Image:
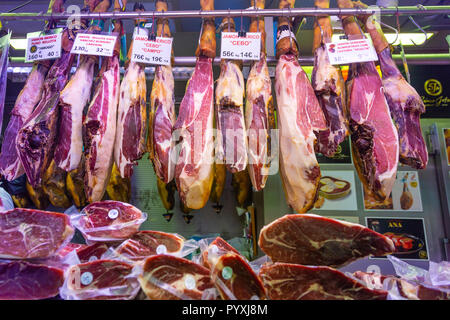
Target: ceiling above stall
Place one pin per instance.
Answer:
(186, 31)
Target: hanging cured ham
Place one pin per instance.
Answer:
(131, 115)
(72, 101)
(162, 114)
(258, 103)
(375, 146)
(299, 118)
(10, 166)
(100, 127)
(194, 125)
(36, 140)
(329, 87)
(404, 102)
(231, 147)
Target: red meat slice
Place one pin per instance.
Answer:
(168, 277)
(21, 280)
(100, 280)
(147, 243)
(221, 245)
(92, 252)
(285, 281)
(314, 240)
(109, 220)
(405, 288)
(69, 248)
(29, 233)
(235, 279)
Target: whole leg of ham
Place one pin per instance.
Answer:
(131, 119)
(406, 106)
(99, 131)
(374, 137)
(375, 146)
(194, 125)
(231, 146)
(10, 166)
(72, 101)
(299, 117)
(162, 115)
(257, 106)
(404, 102)
(329, 87)
(36, 139)
(259, 98)
(162, 122)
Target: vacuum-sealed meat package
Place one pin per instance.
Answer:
(108, 221)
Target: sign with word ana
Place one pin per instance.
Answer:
(351, 51)
(94, 44)
(157, 51)
(43, 46)
(236, 47)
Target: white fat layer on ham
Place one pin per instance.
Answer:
(76, 94)
(132, 91)
(297, 157)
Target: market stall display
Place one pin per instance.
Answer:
(74, 157)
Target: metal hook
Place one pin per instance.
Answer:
(257, 20)
(420, 28)
(393, 29)
(229, 16)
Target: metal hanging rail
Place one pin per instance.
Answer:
(403, 10)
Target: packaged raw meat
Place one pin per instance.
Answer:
(148, 243)
(32, 234)
(108, 221)
(310, 239)
(286, 281)
(22, 280)
(232, 273)
(165, 277)
(100, 280)
(400, 289)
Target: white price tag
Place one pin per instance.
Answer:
(94, 44)
(351, 51)
(158, 51)
(240, 48)
(43, 47)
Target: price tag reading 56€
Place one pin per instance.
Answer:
(240, 48)
(94, 44)
(43, 47)
(156, 51)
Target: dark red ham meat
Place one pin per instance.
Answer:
(167, 277)
(314, 240)
(29, 233)
(285, 281)
(147, 243)
(21, 280)
(100, 280)
(109, 220)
